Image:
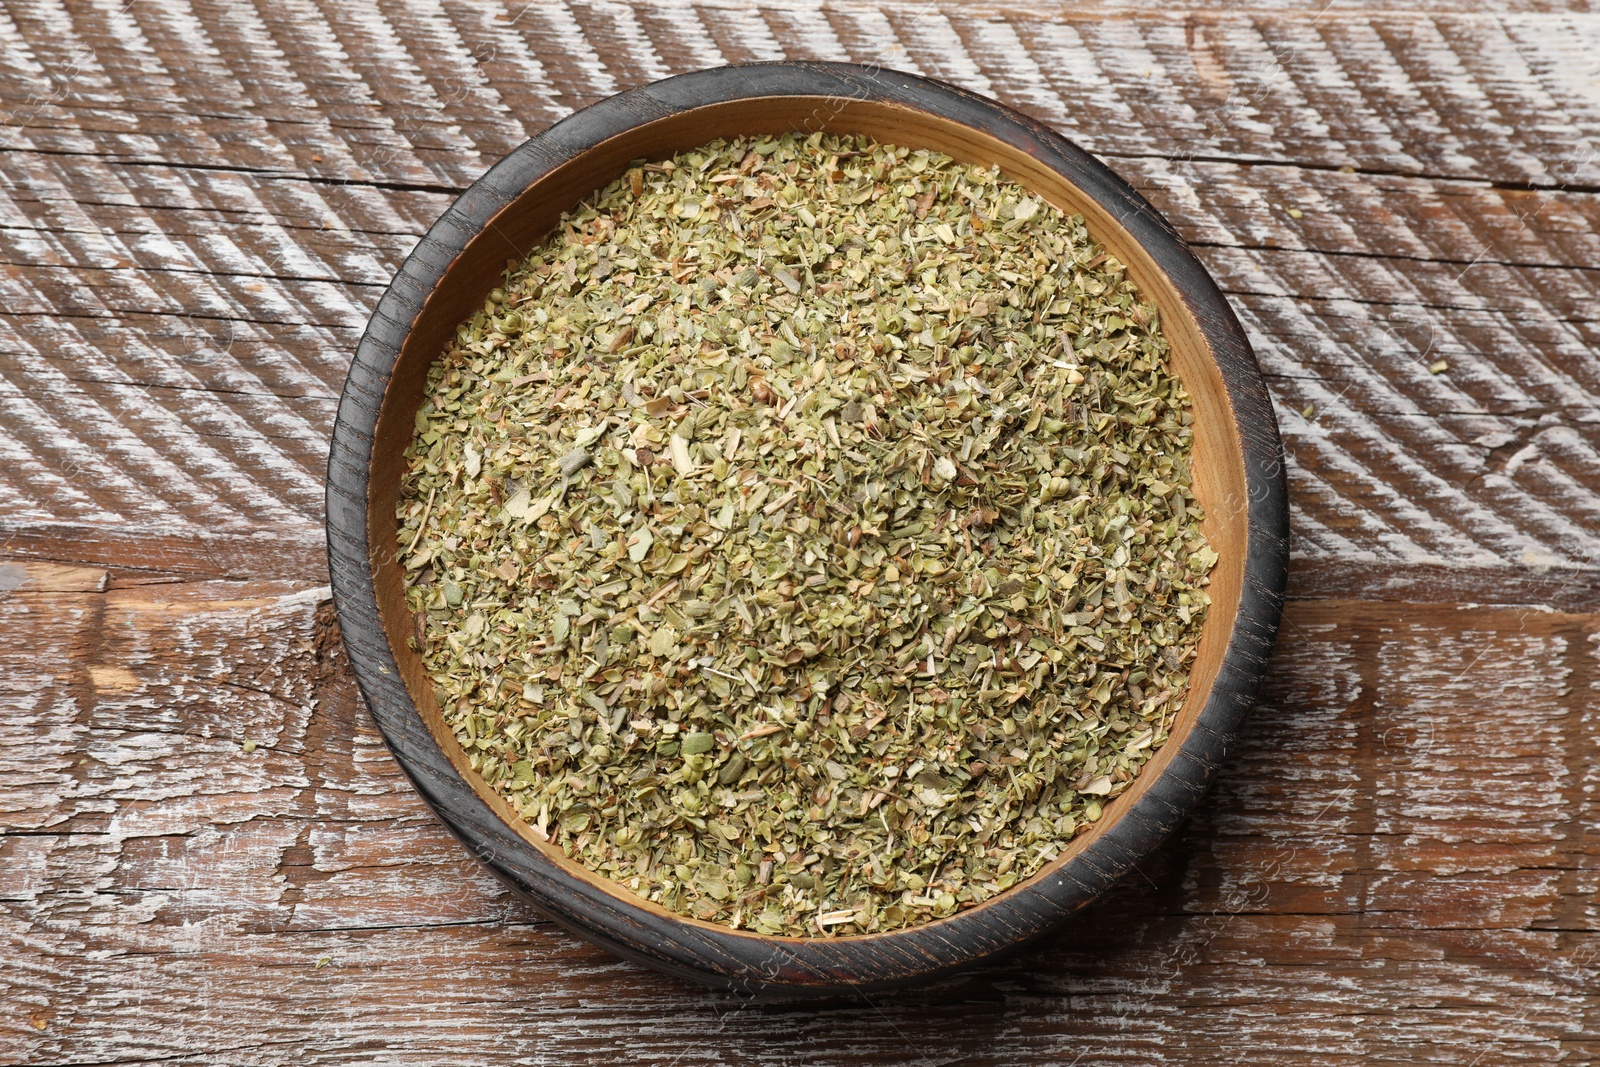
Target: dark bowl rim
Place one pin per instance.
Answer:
(742, 959)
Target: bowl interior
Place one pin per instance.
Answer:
(1218, 460)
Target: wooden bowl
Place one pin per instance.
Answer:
(1237, 469)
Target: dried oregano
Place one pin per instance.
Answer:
(802, 537)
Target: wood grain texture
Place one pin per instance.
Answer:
(1398, 865)
(204, 237)
(199, 205)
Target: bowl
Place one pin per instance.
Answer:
(1237, 471)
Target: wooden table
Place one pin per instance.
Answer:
(200, 204)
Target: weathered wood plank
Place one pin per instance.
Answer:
(216, 230)
(1511, 428)
(1406, 832)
